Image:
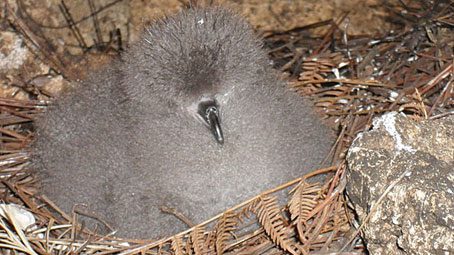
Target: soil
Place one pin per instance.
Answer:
(101, 27)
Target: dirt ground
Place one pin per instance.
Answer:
(72, 34)
(365, 17)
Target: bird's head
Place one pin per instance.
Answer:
(196, 61)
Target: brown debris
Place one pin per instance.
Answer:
(351, 79)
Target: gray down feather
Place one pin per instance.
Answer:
(131, 138)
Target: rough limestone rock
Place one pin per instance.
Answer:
(416, 216)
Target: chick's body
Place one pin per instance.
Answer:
(131, 141)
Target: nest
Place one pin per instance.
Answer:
(350, 79)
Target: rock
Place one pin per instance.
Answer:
(17, 215)
(416, 215)
(13, 51)
(52, 85)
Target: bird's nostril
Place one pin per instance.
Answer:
(209, 111)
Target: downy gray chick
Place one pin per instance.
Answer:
(192, 118)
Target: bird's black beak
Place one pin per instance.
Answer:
(209, 111)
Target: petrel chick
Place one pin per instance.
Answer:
(193, 118)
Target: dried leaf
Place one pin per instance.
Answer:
(304, 199)
(226, 224)
(272, 221)
(247, 211)
(177, 245)
(210, 243)
(197, 237)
